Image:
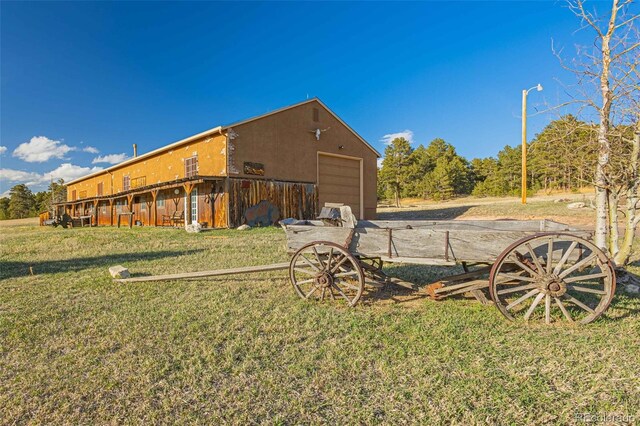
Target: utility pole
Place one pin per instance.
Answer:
(524, 140)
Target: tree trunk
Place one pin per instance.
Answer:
(622, 257)
(614, 236)
(604, 149)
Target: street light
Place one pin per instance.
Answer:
(524, 140)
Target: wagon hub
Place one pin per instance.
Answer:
(324, 280)
(553, 285)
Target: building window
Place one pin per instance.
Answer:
(316, 114)
(83, 194)
(126, 183)
(100, 189)
(138, 182)
(73, 195)
(160, 200)
(191, 166)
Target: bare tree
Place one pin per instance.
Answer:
(607, 81)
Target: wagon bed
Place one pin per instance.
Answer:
(427, 242)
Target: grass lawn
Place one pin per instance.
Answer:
(77, 348)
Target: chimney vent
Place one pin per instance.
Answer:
(135, 150)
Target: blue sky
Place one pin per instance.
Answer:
(82, 82)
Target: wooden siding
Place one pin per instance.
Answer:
(297, 200)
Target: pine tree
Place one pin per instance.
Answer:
(21, 202)
(396, 168)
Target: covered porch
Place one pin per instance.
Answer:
(200, 199)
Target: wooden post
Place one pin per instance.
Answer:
(188, 187)
(111, 211)
(524, 147)
(149, 203)
(154, 196)
(95, 210)
(129, 202)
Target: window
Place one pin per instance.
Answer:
(316, 114)
(99, 191)
(138, 182)
(126, 183)
(83, 194)
(160, 200)
(191, 166)
(73, 195)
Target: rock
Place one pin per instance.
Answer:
(119, 271)
(576, 206)
(560, 200)
(262, 214)
(632, 289)
(622, 278)
(243, 227)
(193, 228)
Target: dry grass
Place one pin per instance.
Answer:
(19, 222)
(77, 348)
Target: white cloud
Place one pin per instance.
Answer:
(111, 159)
(407, 134)
(39, 181)
(40, 149)
(3, 149)
(20, 176)
(68, 171)
(380, 162)
(90, 150)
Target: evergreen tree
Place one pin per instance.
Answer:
(21, 202)
(445, 173)
(4, 208)
(396, 168)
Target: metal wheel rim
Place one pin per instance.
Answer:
(576, 286)
(323, 270)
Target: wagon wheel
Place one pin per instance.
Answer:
(552, 277)
(324, 270)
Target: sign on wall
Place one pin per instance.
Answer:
(253, 168)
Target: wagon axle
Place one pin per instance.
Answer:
(324, 280)
(553, 285)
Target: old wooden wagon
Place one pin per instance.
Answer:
(533, 270)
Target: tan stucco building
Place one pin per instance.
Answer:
(297, 158)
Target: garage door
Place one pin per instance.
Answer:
(339, 181)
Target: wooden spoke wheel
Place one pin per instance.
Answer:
(552, 277)
(324, 270)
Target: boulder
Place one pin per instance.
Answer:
(576, 206)
(119, 271)
(262, 214)
(193, 228)
(632, 289)
(243, 227)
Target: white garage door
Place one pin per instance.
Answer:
(339, 181)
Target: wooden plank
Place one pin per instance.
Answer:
(450, 288)
(213, 273)
(478, 225)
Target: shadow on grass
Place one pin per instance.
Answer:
(21, 269)
(431, 214)
(420, 275)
